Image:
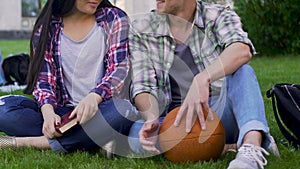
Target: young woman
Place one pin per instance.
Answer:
(79, 60)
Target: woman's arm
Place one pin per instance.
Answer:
(44, 90)
(116, 58)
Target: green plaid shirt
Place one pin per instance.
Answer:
(152, 47)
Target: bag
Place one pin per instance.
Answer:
(286, 107)
(15, 68)
(2, 79)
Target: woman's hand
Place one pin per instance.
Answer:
(50, 120)
(87, 108)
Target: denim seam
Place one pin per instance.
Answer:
(253, 125)
(56, 146)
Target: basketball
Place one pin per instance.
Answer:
(179, 146)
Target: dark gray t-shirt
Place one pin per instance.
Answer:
(181, 74)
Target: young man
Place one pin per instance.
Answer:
(191, 54)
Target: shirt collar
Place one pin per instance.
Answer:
(161, 22)
(163, 26)
(198, 20)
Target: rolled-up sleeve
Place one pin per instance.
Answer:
(228, 28)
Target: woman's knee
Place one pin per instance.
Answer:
(19, 116)
(10, 103)
(17, 101)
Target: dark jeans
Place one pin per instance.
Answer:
(21, 117)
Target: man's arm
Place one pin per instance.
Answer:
(148, 107)
(233, 57)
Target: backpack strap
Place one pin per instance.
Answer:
(294, 141)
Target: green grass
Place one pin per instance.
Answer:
(269, 70)
(14, 46)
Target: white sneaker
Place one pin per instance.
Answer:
(108, 149)
(249, 157)
(272, 148)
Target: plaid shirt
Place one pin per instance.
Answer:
(152, 47)
(50, 88)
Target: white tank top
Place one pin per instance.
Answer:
(82, 63)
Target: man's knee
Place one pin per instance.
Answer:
(243, 76)
(135, 145)
(245, 70)
(133, 138)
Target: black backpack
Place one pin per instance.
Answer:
(286, 107)
(15, 68)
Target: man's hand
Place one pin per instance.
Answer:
(149, 135)
(196, 100)
(233, 57)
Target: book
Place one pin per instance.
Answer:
(66, 123)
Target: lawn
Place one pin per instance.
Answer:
(269, 69)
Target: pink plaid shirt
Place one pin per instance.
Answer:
(50, 88)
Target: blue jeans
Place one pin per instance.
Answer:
(21, 117)
(240, 106)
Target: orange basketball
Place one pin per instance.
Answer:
(179, 146)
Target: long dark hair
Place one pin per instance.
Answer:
(58, 8)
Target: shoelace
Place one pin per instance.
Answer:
(254, 153)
